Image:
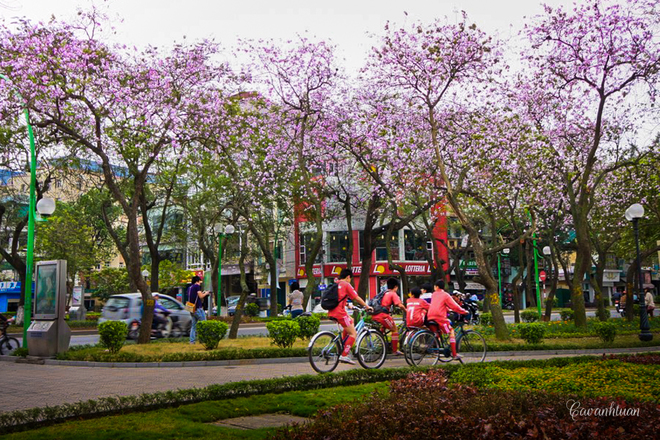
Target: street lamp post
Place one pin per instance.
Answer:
(505, 251)
(145, 274)
(229, 229)
(29, 257)
(547, 252)
(633, 214)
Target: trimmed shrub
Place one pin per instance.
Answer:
(532, 333)
(252, 309)
(283, 333)
(636, 310)
(605, 330)
(567, 314)
(112, 335)
(309, 326)
(529, 315)
(210, 333)
(487, 318)
(555, 303)
(20, 352)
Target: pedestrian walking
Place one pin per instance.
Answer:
(196, 296)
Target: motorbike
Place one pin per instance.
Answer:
(473, 308)
(171, 327)
(621, 306)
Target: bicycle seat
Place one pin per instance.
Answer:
(427, 323)
(333, 319)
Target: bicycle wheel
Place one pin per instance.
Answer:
(472, 346)
(424, 348)
(445, 349)
(8, 345)
(371, 349)
(405, 345)
(324, 350)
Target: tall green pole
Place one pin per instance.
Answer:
(219, 296)
(29, 258)
(499, 277)
(536, 269)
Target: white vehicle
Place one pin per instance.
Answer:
(127, 307)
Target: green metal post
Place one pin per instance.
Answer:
(536, 269)
(29, 258)
(499, 277)
(219, 296)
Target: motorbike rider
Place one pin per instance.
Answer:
(160, 314)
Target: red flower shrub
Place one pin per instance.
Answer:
(425, 406)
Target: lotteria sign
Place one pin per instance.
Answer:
(333, 270)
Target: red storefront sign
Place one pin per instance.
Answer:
(333, 270)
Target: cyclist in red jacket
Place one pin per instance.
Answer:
(441, 303)
(417, 309)
(346, 292)
(391, 298)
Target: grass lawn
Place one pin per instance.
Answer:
(568, 343)
(185, 347)
(193, 421)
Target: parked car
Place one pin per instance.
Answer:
(127, 307)
(232, 301)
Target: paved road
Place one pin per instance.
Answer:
(27, 385)
(260, 330)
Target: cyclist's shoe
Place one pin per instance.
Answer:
(346, 360)
(458, 358)
(398, 353)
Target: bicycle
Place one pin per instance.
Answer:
(325, 347)
(7, 344)
(426, 348)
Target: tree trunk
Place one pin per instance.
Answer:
(553, 286)
(274, 285)
(597, 283)
(530, 284)
(516, 293)
(155, 266)
(245, 290)
(486, 278)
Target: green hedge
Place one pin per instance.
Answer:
(606, 331)
(532, 333)
(529, 315)
(283, 333)
(112, 335)
(210, 333)
(32, 418)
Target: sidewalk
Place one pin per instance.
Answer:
(31, 385)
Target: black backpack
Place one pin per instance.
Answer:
(330, 297)
(376, 303)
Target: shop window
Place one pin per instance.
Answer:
(381, 250)
(338, 244)
(306, 244)
(416, 246)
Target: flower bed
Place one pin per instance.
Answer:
(427, 405)
(613, 378)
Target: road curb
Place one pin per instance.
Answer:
(294, 360)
